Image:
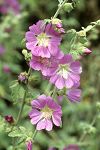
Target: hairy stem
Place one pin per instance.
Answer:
(84, 135)
(59, 8)
(23, 102)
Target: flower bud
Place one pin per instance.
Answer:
(87, 51)
(6, 69)
(27, 55)
(68, 7)
(22, 77)
(56, 21)
(9, 119)
(58, 25)
(24, 52)
(29, 145)
(82, 33)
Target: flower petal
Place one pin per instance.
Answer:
(49, 125)
(35, 119)
(56, 120)
(41, 124)
(60, 83)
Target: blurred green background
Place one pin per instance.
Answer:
(76, 117)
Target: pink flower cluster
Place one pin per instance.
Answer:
(43, 41)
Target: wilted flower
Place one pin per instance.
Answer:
(29, 145)
(67, 73)
(42, 40)
(9, 119)
(45, 112)
(9, 5)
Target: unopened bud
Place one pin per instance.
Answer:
(29, 145)
(24, 52)
(56, 21)
(9, 119)
(68, 7)
(22, 77)
(87, 51)
(82, 33)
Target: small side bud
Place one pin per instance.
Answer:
(24, 52)
(82, 33)
(87, 51)
(27, 55)
(29, 145)
(22, 77)
(9, 119)
(68, 7)
(57, 23)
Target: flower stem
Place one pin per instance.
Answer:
(59, 8)
(34, 134)
(86, 133)
(23, 102)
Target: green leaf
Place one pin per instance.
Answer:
(17, 91)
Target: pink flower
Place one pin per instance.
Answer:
(67, 73)
(9, 5)
(45, 65)
(29, 145)
(45, 112)
(42, 40)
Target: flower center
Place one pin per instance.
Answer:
(63, 70)
(46, 112)
(43, 39)
(44, 61)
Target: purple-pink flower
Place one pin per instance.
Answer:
(67, 73)
(29, 145)
(45, 112)
(43, 40)
(45, 65)
(9, 5)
